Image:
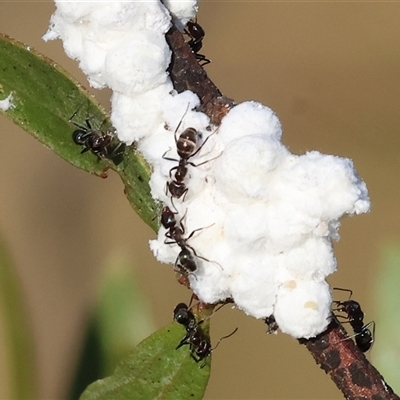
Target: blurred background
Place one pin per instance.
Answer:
(331, 72)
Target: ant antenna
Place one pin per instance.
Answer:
(344, 290)
(180, 122)
(225, 337)
(76, 112)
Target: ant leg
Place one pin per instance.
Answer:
(204, 162)
(191, 300)
(214, 311)
(341, 316)
(168, 235)
(76, 112)
(201, 257)
(184, 341)
(363, 330)
(85, 150)
(166, 188)
(184, 194)
(196, 230)
(194, 356)
(172, 169)
(202, 60)
(117, 151)
(173, 205)
(167, 158)
(181, 270)
(104, 122)
(202, 145)
(89, 125)
(181, 224)
(204, 363)
(80, 126)
(344, 290)
(86, 128)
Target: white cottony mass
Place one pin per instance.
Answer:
(260, 219)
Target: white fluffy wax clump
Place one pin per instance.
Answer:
(92, 31)
(263, 220)
(257, 220)
(259, 120)
(303, 307)
(120, 45)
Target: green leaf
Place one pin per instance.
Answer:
(155, 370)
(122, 318)
(123, 315)
(386, 350)
(17, 332)
(45, 97)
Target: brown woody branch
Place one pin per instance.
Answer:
(353, 374)
(333, 350)
(187, 74)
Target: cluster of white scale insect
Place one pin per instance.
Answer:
(264, 218)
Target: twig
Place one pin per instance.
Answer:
(338, 356)
(187, 74)
(333, 350)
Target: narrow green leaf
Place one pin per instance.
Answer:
(45, 97)
(122, 313)
(386, 350)
(18, 335)
(122, 318)
(155, 370)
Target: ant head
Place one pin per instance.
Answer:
(183, 315)
(80, 136)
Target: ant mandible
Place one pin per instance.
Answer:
(363, 336)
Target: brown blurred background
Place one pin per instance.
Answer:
(331, 71)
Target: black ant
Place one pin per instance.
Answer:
(196, 34)
(272, 324)
(363, 336)
(186, 148)
(100, 145)
(199, 343)
(185, 262)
